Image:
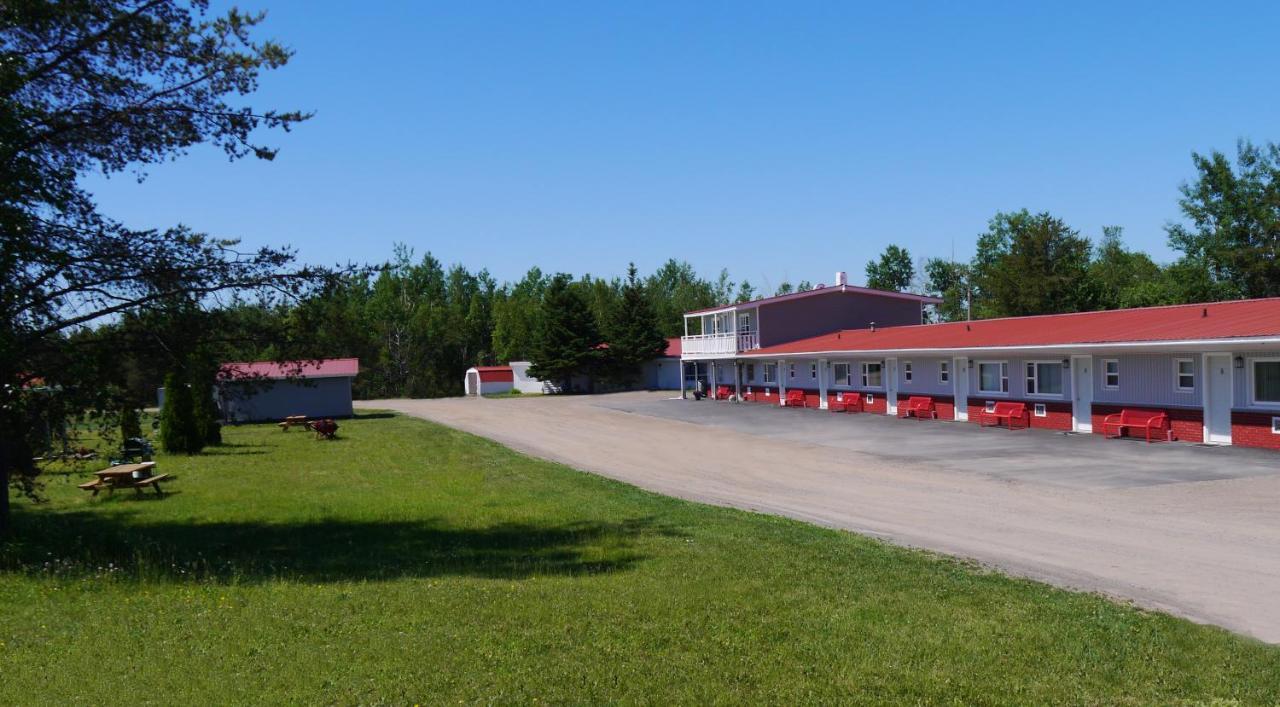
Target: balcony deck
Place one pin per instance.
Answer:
(713, 345)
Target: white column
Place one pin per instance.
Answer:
(682, 397)
(782, 381)
(737, 380)
(822, 384)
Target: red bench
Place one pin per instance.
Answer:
(919, 406)
(1144, 420)
(722, 393)
(795, 398)
(846, 402)
(1007, 412)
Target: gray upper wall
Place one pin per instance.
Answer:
(789, 320)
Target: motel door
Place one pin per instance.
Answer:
(960, 377)
(1217, 398)
(1082, 393)
(473, 384)
(890, 374)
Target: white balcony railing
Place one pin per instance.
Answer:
(713, 344)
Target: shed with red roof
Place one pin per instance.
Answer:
(254, 391)
(489, 380)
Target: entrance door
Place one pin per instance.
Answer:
(1217, 398)
(1082, 393)
(891, 385)
(960, 376)
(473, 384)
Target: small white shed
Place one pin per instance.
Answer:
(488, 380)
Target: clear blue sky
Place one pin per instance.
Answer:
(779, 140)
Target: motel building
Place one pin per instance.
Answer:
(1203, 373)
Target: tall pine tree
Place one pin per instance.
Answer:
(567, 339)
(634, 336)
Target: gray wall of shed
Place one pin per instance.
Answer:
(275, 400)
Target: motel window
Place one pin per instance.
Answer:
(841, 374)
(1111, 374)
(791, 371)
(770, 373)
(1044, 378)
(813, 371)
(871, 373)
(944, 372)
(906, 371)
(1266, 382)
(993, 377)
(1184, 374)
(751, 371)
(744, 321)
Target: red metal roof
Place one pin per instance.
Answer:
(495, 374)
(673, 347)
(324, 368)
(849, 289)
(1189, 322)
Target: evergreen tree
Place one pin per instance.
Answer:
(634, 338)
(893, 272)
(179, 432)
(203, 409)
(567, 339)
(130, 422)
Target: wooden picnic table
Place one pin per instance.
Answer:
(290, 421)
(124, 476)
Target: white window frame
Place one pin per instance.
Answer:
(989, 406)
(906, 372)
(744, 322)
(813, 371)
(1105, 373)
(1253, 392)
(1035, 376)
(791, 371)
(1275, 425)
(1004, 377)
(1039, 410)
(944, 372)
(1177, 375)
(864, 374)
(770, 368)
(848, 373)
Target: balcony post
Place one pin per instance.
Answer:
(737, 380)
(682, 397)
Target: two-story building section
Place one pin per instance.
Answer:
(715, 338)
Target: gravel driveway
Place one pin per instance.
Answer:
(1189, 530)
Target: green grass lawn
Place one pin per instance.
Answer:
(406, 562)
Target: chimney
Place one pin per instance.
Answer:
(842, 279)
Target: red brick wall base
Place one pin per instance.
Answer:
(1057, 414)
(1253, 429)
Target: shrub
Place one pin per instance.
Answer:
(179, 431)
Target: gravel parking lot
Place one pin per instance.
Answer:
(1187, 529)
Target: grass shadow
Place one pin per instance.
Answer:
(80, 543)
